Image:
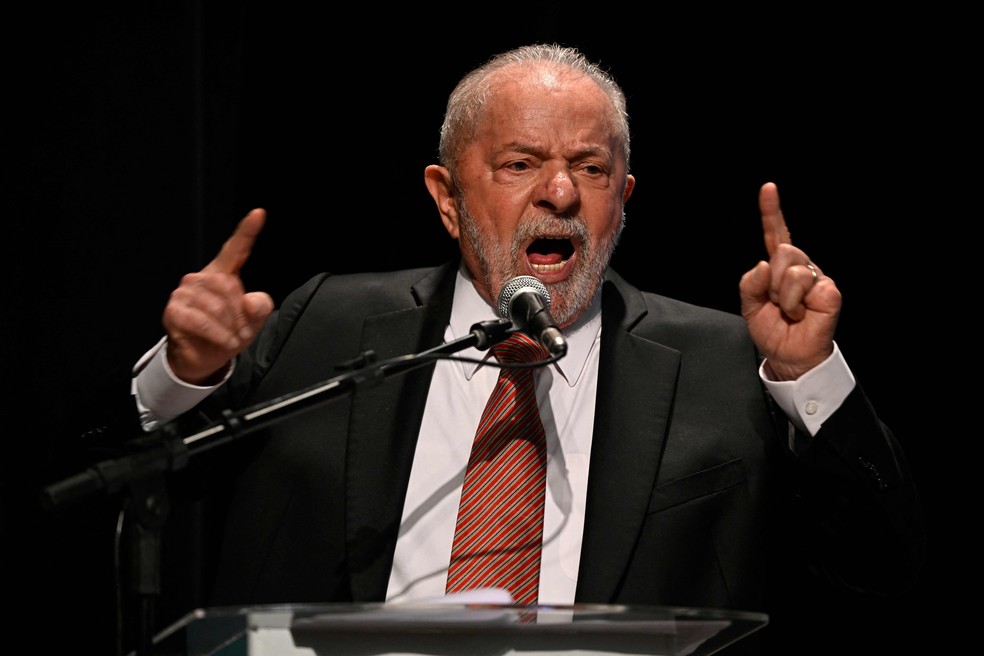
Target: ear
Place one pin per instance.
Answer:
(629, 186)
(439, 184)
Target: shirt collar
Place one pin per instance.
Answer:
(470, 308)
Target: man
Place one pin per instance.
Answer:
(690, 451)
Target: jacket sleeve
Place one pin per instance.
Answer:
(863, 523)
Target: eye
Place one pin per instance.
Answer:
(518, 165)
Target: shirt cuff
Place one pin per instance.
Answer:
(160, 395)
(812, 398)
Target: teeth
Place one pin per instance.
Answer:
(548, 268)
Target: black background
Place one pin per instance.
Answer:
(137, 137)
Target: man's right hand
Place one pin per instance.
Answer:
(209, 318)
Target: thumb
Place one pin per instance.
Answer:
(257, 306)
(754, 286)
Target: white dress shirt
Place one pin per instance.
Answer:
(458, 394)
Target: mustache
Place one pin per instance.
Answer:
(574, 227)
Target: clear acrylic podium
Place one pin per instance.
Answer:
(453, 630)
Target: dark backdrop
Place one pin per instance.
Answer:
(138, 137)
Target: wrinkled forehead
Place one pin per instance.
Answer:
(523, 87)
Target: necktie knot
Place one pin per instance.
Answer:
(519, 347)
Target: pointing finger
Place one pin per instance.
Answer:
(237, 248)
(773, 223)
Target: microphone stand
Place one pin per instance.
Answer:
(142, 472)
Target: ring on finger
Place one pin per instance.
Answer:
(813, 270)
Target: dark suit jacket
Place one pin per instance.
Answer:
(692, 494)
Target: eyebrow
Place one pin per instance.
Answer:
(582, 152)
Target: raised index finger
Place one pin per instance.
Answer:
(773, 224)
(237, 248)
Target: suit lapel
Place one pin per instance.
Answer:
(386, 416)
(629, 432)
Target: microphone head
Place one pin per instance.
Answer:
(516, 286)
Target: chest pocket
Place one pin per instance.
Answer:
(697, 485)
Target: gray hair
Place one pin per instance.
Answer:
(467, 101)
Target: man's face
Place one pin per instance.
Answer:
(542, 190)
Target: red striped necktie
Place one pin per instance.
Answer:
(499, 531)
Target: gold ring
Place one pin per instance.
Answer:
(813, 270)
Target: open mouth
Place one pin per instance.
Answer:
(549, 254)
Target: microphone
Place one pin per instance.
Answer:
(525, 301)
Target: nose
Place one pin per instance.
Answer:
(558, 193)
